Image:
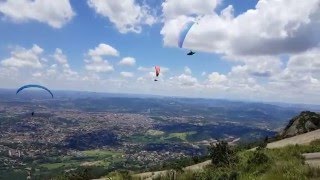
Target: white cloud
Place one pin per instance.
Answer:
(127, 61)
(294, 28)
(217, 82)
(148, 77)
(37, 74)
(302, 69)
(126, 15)
(187, 70)
(103, 50)
(258, 66)
(96, 63)
(127, 74)
(307, 62)
(60, 57)
(296, 78)
(99, 66)
(228, 13)
(297, 81)
(216, 78)
(63, 62)
(91, 78)
(175, 8)
(145, 69)
(52, 70)
(22, 57)
(34, 65)
(259, 72)
(54, 13)
(184, 80)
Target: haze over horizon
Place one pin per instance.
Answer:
(263, 51)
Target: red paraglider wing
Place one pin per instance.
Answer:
(157, 70)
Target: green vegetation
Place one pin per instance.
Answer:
(222, 155)
(13, 175)
(101, 153)
(91, 163)
(157, 118)
(81, 174)
(155, 136)
(183, 136)
(154, 132)
(119, 175)
(141, 138)
(51, 166)
(283, 163)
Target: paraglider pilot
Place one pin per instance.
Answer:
(157, 68)
(191, 53)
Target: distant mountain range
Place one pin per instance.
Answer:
(270, 116)
(10, 94)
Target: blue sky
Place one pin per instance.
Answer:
(87, 30)
(245, 49)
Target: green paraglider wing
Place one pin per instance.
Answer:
(34, 86)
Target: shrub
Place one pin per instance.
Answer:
(222, 155)
(257, 163)
(258, 158)
(196, 159)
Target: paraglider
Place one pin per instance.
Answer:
(191, 53)
(157, 68)
(34, 86)
(183, 34)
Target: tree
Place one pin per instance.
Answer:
(222, 155)
(196, 159)
(263, 144)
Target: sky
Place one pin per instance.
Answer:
(266, 50)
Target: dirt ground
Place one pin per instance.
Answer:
(299, 139)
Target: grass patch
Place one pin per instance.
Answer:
(13, 174)
(52, 166)
(154, 132)
(158, 119)
(154, 136)
(90, 158)
(145, 139)
(95, 163)
(101, 153)
(183, 136)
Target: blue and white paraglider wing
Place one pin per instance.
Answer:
(184, 32)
